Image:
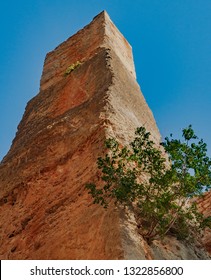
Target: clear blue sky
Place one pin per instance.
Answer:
(171, 42)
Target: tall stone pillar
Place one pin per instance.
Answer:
(88, 92)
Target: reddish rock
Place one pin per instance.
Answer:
(204, 205)
(45, 211)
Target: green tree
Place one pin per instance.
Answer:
(160, 183)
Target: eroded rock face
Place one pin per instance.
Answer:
(204, 206)
(45, 212)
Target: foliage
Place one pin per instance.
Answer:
(72, 67)
(160, 182)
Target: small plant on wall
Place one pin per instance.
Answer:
(72, 67)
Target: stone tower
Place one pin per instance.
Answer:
(45, 212)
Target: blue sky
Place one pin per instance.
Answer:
(171, 43)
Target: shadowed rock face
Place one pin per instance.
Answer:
(204, 206)
(45, 213)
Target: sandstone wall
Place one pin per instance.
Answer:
(45, 212)
(204, 206)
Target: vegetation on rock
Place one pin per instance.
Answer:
(160, 183)
(72, 67)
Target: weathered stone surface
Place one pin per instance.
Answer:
(45, 212)
(204, 205)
